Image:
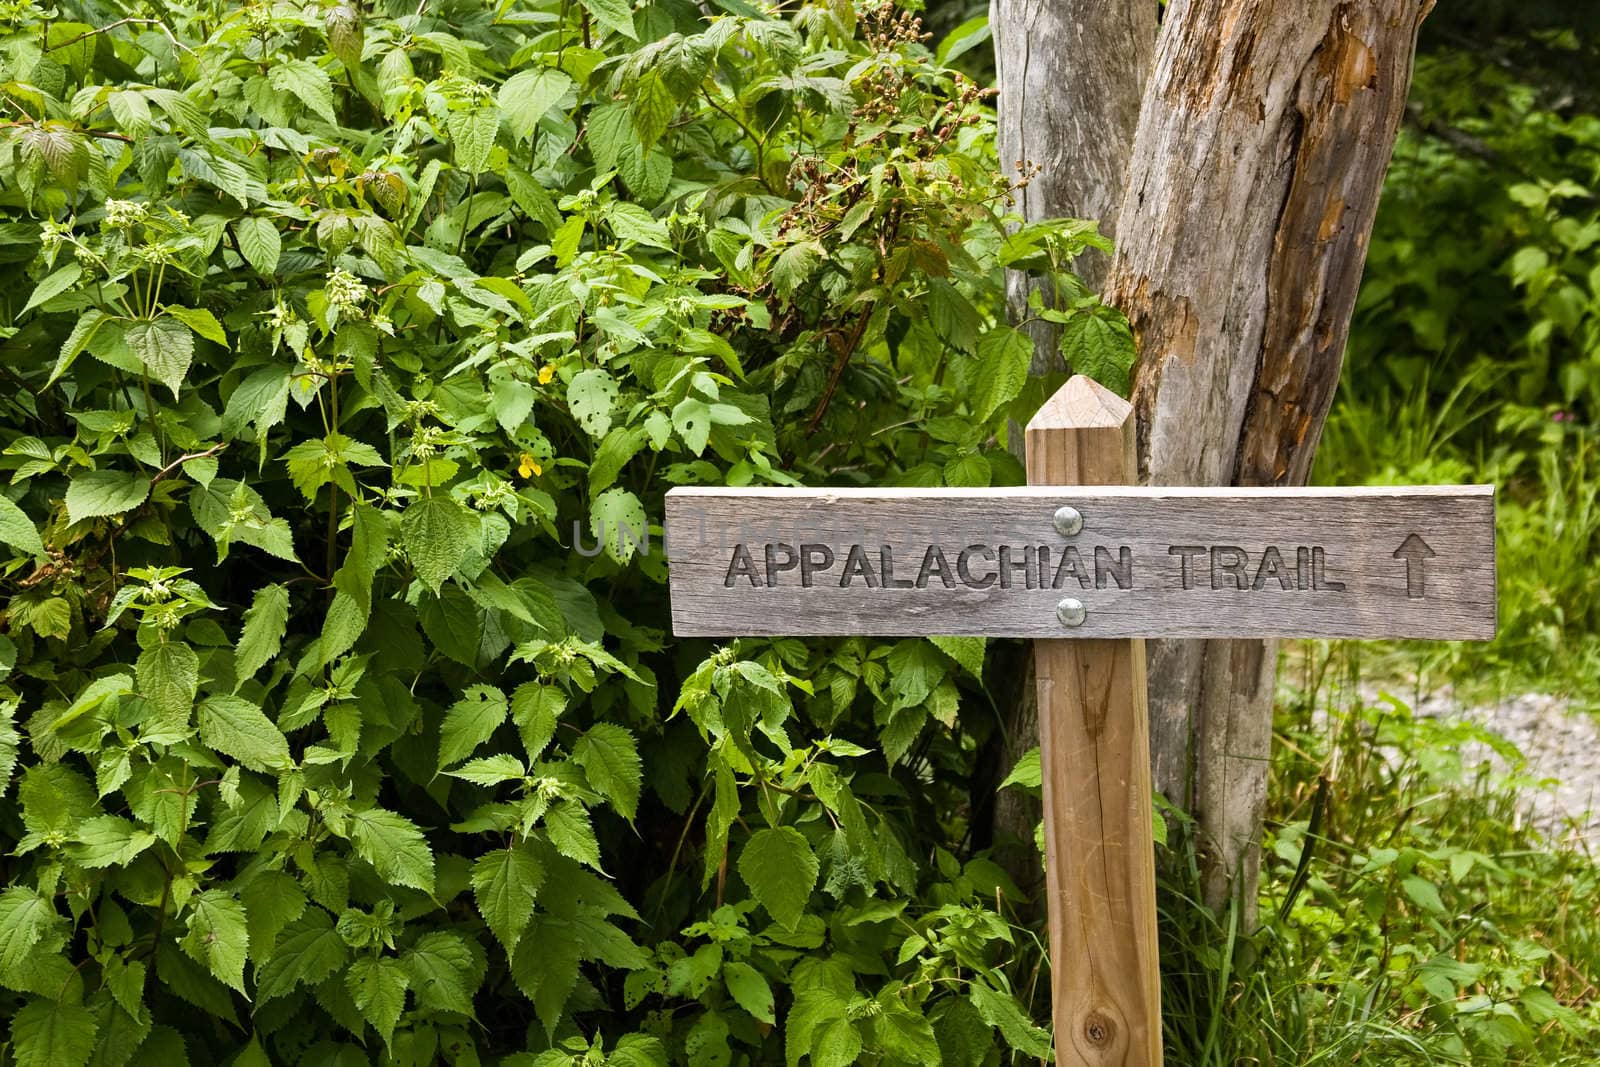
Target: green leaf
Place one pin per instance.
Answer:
(218, 936)
(259, 242)
(109, 841)
(308, 951)
(265, 622)
(444, 972)
(100, 493)
(394, 846)
(369, 548)
(53, 285)
(1001, 1011)
(1100, 345)
(505, 883)
(307, 81)
(1004, 355)
(470, 722)
(591, 396)
(490, 770)
(378, 986)
(51, 1033)
(26, 918)
(200, 321)
(572, 833)
(653, 107)
(536, 709)
(166, 348)
(472, 134)
(612, 454)
(967, 651)
(528, 95)
(437, 533)
(618, 521)
(1028, 772)
(750, 990)
(10, 740)
(613, 15)
(17, 530)
(610, 758)
(169, 677)
(236, 727)
(781, 870)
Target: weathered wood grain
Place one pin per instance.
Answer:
(1336, 572)
(1094, 744)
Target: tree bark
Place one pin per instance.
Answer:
(1261, 148)
(1071, 76)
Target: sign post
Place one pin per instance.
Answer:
(1088, 566)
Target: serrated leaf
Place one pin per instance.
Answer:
(610, 758)
(108, 841)
(572, 833)
(53, 1033)
(1099, 344)
(166, 348)
(1004, 355)
(218, 936)
(308, 951)
(472, 135)
(613, 15)
(444, 972)
(394, 846)
(618, 521)
(169, 677)
(265, 622)
(653, 106)
(378, 986)
(101, 493)
(750, 990)
(17, 530)
(490, 770)
(536, 709)
(470, 722)
(200, 321)
(53, 285)
(1001, 1011)
(781, 870)
(437, 533)
(236, 727)
(505, 883)
(590, 397)
(528, 95)
(259, 242)
(26, 917)
(305, 80)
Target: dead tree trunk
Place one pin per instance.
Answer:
(1071, 75)
(1266, 129)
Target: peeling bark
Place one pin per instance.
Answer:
(1071, 76)
(1260, 154)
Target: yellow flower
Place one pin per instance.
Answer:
(546, 372)
(529, 467)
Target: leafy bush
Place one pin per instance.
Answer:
(346, 349)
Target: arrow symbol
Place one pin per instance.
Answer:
(1414, 550)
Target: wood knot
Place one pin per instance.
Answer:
(1099, 1029)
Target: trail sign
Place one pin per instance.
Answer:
(1105, 567)
(1142, 562)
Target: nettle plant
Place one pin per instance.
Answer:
(327, 332)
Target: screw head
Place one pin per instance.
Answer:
(1069, 520)
(1071, 612)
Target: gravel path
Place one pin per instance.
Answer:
(1557, 743)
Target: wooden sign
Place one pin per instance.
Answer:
(1141, 562)
(1107, 567)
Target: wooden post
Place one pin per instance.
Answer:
(1094, 751)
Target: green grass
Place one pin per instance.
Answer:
(1407, 916)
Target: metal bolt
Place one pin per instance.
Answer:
(1069, 520)
(1071, 612)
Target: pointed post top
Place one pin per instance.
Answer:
(1082, 403)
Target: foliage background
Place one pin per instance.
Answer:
(336, 338)
(350, 352)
